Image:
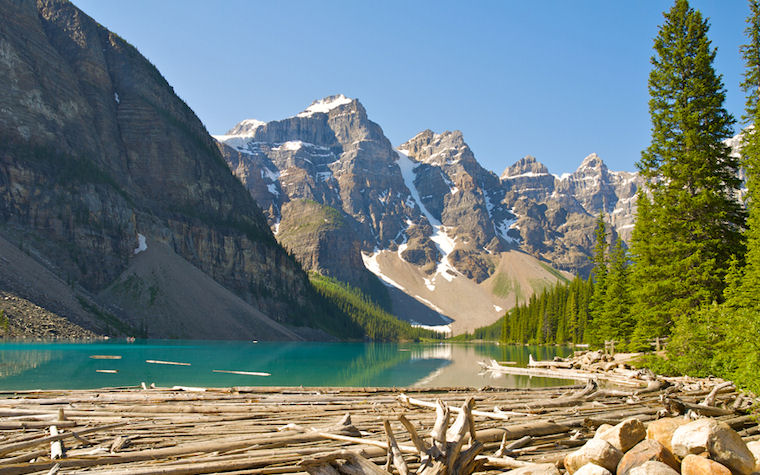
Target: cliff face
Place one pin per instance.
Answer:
(426, 218)
(96, 149)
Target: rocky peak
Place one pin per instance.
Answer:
(246, 128)
(592, 164)
(447, 148)
(528, 166)
(324, 106)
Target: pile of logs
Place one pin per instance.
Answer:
(335, 430)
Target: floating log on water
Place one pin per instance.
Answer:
(175, 363)
(105, 357)
(109, 371)
(245, 373)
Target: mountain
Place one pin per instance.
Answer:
(116, 208)
(449, 239)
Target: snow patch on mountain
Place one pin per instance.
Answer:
(370, 262)
(142, 244)
(442, 241)
(325, 105)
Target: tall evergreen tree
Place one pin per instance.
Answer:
(689, 225)
(741, 315)
(616, 322)
(599, 277)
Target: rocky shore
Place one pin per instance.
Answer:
(22, 319)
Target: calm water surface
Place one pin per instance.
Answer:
(70, 366)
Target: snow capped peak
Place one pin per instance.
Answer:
(526, 166)
(591, 162)
(325, 105)
(244, 128)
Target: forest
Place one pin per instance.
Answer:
(691, 273)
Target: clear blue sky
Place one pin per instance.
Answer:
(554, 79)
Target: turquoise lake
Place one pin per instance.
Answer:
(56, 365)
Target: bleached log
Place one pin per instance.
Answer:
(501, 415)
(438, 434)
(419, 443)
(13, 447)
(710, 399)
(56, 450)
(394, 451)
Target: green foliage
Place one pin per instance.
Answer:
(733, 348)
(614, 320)
(598, 276)
(556, 315)
(364, 315)
(689, 226)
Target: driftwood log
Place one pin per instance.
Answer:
(290, 430)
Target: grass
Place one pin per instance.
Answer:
(554, 272)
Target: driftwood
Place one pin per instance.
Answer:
(270, 430)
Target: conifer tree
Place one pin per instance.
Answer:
(598, 276)
(741, 315)
(615, 319)
(689, 225)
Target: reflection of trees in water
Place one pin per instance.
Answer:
(377, 358)
(14, 362)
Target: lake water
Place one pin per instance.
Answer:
(71, 366)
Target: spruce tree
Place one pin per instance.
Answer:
(598, 277)
(741, 315)
(616, 322)
(689, 225)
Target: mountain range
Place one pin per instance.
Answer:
(425, 217)
(121, 214)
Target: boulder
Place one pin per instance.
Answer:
(624, 435)
(537, 469)
(716, 438)
(592, 469)
(653, 468)
(645, 451)
(601, 430)
(597, 451)
(754, 447)
(697, 465)
(662, 430)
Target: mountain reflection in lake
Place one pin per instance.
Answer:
(92, 365)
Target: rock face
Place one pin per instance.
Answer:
(96, 149)
(557, 215)
(429, 201)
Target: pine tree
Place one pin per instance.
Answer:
(741, 315)
(598, 277)
(615, 319)
(689, 225)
